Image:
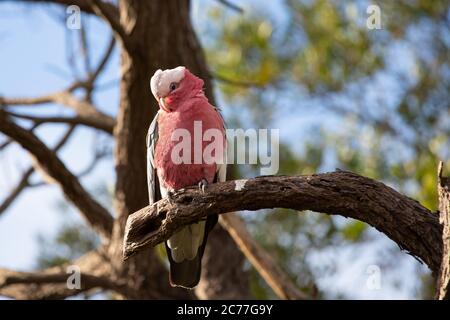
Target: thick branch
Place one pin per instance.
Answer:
(87, 281)
(17, 190)
(103, 61)
(87, 114)
(413, 227)
(84, 5)
(48, 283)
(232, 6)
(93, 122)
(443, 285)
(95, 213)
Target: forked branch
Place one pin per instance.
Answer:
(413, 227)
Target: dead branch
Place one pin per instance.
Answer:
(81, 120)
(83, 4)
(87, 281)
(94, 212)
(17, 190)
(413, 227)
(443, 284)
(263, 262)
(94, 263)
(87, 114)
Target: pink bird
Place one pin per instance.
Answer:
(183, 106)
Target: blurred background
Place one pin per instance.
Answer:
(373, 101)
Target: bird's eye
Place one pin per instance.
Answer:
(173, 86)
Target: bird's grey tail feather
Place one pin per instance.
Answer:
(187, 273)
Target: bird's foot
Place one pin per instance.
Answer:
(169, 196)
(203, 184)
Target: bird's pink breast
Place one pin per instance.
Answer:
(175, 176)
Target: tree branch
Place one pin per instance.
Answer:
(17, 190)
(101, 9)
(24, 181)
(261, 259)
(443, 284)
(47, 285)
(103, 61)
(96, 214)
(82, 120)
(84, 5)
(413, 227)
(87, 114)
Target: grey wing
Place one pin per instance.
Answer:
(154, 193)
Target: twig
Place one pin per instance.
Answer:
(24, 181)
(98, 156)
(232, 6)
(88, 114)
(104, 60)
(94, 263)
(84, 5)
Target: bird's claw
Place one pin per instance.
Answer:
(202, 185)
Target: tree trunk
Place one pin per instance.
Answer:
(443, 283)
(162, 37)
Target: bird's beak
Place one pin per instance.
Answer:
(163, 105)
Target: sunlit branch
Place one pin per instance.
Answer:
(54, 168)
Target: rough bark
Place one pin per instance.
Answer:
(87, 113)
(94, 263)
(413, 227)
(443, 284)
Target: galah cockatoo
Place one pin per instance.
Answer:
(183, 106)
